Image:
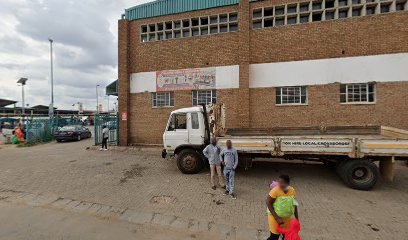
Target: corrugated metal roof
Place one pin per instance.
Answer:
(166, 7)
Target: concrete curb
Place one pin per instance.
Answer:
(131, 215)
(152, 149)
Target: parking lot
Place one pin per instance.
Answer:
(142, 181)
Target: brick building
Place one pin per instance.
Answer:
(272, 63)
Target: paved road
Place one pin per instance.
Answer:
(144, 182)
(24, 222)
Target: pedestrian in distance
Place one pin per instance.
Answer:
(229, 158)
(282, 208)
(105, 137)
(212, 153)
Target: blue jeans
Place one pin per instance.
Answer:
(229, 180)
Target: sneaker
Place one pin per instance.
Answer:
(214, 187)
(226, 193)
(100, 149)
(105, 149)
(233, 196)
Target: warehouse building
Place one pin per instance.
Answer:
(272, 63)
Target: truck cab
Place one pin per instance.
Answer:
(186, 135)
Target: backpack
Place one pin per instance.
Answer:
(285, 206)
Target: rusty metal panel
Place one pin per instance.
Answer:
(386, 147)
(255, 145)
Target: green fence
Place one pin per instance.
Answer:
(41, 129)
(110, 121)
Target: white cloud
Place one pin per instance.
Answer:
(85, 48)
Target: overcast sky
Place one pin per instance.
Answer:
(85, 49)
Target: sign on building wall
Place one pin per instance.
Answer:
(185, 79)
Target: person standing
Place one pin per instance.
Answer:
(105, 137)
(212, 153)
(282, 205)
(229, 158)
(19, 133)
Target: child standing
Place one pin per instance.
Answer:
(229, 158)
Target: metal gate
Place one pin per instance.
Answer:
(110, 121)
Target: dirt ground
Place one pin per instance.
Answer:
(142, 180)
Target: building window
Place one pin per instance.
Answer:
(204, 97)
(291, 95)
(163, 99)
(226, 22)
(357, 93)
(321, 10)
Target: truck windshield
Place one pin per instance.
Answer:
(178, 121)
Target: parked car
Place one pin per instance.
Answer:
(72, 133)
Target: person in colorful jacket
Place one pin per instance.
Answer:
(284, 191)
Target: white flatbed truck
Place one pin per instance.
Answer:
(354, 150)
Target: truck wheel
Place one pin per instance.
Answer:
(189, 162)
(361, 174)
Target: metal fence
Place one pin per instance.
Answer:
(41, 129)
(110, 121)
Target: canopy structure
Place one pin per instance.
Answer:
(112, 89)
(6, 102)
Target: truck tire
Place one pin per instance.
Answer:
(360, 174)
(189, 162)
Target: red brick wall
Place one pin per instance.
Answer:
(390, 109)
(148, 123)
(379, 34)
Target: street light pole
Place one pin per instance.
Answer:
(51, 111)
(108, 105)
(97, 100)
(22, 81)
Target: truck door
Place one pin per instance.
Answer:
(176, 133)
(195, 128)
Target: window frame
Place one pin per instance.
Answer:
(213, 96)
(185, 27)
(300, 88)
(170, 99)
(346, 85)
(277, 15)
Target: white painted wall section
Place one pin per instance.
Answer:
(226, 77)
(379, 68)
(143, 82)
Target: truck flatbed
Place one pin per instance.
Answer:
(356, 151)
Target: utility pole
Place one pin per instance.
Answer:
(97, 100)
(51, 109)
(108, 105)
(22, 81)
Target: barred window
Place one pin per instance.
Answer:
(163, 99)
(204, 97)
(190, 27)
(291, 95)
(357, 93)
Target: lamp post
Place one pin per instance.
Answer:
(22, 81)
(51, 109)
(97, 100)
(108, 105)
